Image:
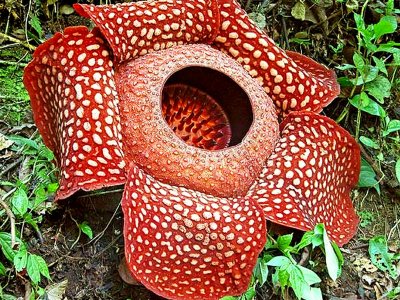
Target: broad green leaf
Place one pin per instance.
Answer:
(379, 88)
(372, 108)
(317, 237)
(19, 140)
(43, 269)
(380, 64)
(313, 294)
(332, 262)
(229, 298)
(36, 266)
(359, 62)
(397, 169)
(386, 25)
(279, 261)
(368, 142)
(305, 240)
(309, 276)
(5, 243)
(284, 242)
(393, 125)
(296, 280)
(359, 22)
(282, 277)
(86, 229)
(20, 260)
(380, 256)
(20, 202)
(367, 176)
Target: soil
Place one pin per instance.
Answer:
(91, 266)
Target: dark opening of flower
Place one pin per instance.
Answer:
(207, 161)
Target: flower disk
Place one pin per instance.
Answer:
(152, 144)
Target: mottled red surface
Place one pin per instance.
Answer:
(194, 218)
(155, 147)
(75, 106)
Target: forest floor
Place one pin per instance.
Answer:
(328, 34)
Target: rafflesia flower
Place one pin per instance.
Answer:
(194, 135)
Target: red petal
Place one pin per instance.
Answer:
(71, 85)
(134, 29)
(309, 177)
(294, 81)
(183, 244)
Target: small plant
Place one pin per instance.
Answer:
(286, 273)
(372, 78)
(382, 258)
(24, 205)
(366, 218)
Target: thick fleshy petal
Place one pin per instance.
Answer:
(309, 177)
(183, 244)
(75, 106)
(152, 144)
(134, 29)
(294, 81)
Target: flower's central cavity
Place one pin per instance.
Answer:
(206, 108)
(195, 117)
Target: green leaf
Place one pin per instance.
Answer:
(380, 256)
(261, 271)
(43, 269)
(52, 187)
(3, 270)
(86, 229)
(380, 64)
(284, 241)
(35, 267)
(379, 88)
(359, 20)
(309, 276)
(359, 62)
(393, 125)
(332, 261)
(20, 260)
(20, 202)
(32, 267)
(313, 294)
(21, 141)
(372, 107)
(279, 261)
(397, 169)
(5, 243)
(367, 176)
(386, 25)
(296, 280)
(35, 23)
(229, 298)
(250, 293)
(368, 142)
